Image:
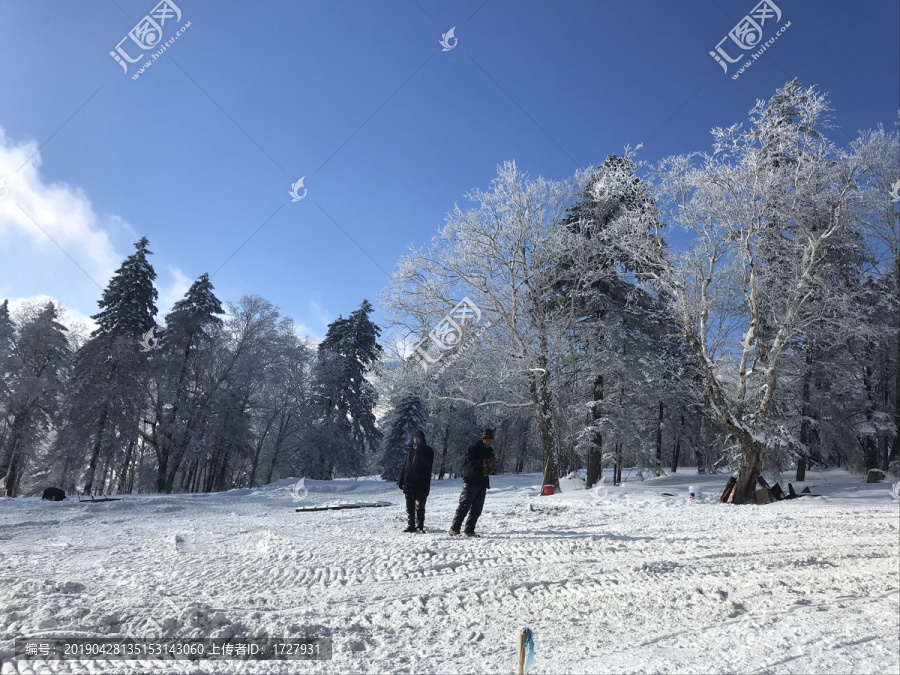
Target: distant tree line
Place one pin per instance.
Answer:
(736, 308)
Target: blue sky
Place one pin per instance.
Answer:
(199, 152)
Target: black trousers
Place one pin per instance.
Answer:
(415, 509)
(471, 501)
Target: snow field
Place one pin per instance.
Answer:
(620, 579)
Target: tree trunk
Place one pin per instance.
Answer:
(805, 423)
(540, 396)
(870, 444)
(659, 425)
(444, 450)
(678, 445)
(595, 453)
(123, 472)
(617, 472)
(520, 460)
(95, 451)
(895, 450)
(751, 466)
(16, 460)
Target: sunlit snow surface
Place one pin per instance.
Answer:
(620, 579)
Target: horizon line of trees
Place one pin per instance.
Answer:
(735, 308)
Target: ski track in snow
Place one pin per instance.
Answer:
(634, 583)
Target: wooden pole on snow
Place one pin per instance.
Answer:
(520, 666)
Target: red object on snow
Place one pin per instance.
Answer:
(548, 490)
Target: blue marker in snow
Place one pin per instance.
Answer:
(529, 648)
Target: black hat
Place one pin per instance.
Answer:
(419, 434)
(488, 433)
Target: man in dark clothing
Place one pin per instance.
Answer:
(479, 465)
(415, 481)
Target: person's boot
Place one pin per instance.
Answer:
(471, 534)
(410, 528)
(454, 533)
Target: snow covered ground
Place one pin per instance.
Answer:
(622, 579)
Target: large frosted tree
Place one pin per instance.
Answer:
(762, 210)
(498, 254)
(37, 367)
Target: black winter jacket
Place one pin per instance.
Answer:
(415, 475)
(473, 468)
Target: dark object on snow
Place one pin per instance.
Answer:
(90, 499)
(53, 494)
(763, 496)
(874, 476)
(415, 481)
(666, 494)
(729, 488)
(344, 506)
(804, 493)
(777, 492)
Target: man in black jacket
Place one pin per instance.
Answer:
(480, 463)
(415, 481)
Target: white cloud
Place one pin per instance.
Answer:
(48, 231)
(168, 296)
(313, 333)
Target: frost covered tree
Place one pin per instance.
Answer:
(406, 417)
(752, 284)
(497, 254)
(36, 369)
(879, 157)
(107, 392)
(180, 391)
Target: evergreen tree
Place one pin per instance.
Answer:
(407, 417)
(180, 399)
(108, 390)
(347, 431)
(128, 305)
